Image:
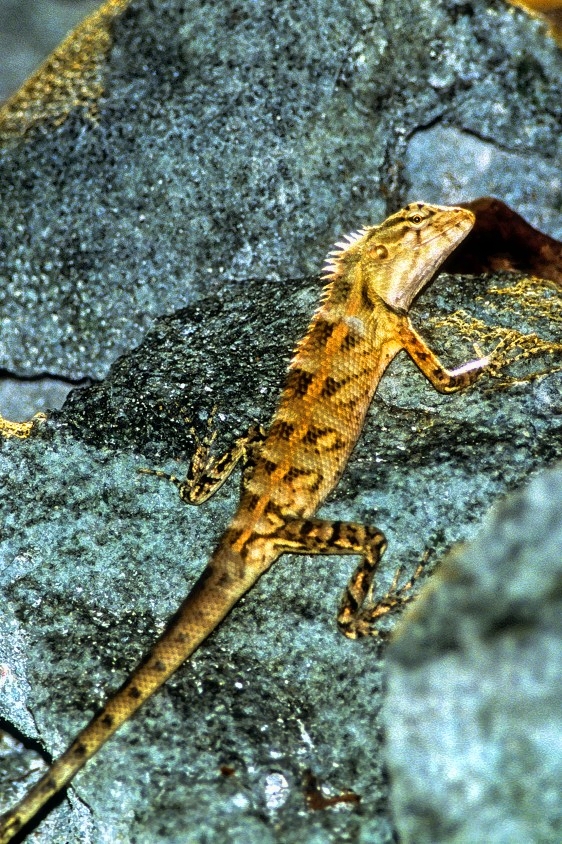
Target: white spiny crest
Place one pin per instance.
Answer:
(339, 250)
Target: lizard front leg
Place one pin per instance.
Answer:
(207, 473)
(444, 380)
(358, 614)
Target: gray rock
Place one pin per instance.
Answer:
(234, 143)
(473, 708)
(22, 399)
(241, 142)
(94, 558)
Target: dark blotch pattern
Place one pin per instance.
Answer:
(298, 381)
(321, 332)
(314, 487)
(283, 430)
(233, 535)
(273, 509)
(306, 528)
(336, 532)
(313, 435)
(350, 341)
(252, 501)
(331, 387)
(295, 473)
(366, 297)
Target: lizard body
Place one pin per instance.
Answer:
(360, 326)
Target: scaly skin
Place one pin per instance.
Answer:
(360, 326)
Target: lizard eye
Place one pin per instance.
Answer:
(379, 251)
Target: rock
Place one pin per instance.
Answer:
(464, 165)
(96, 557)
(472, 711)
(232, 145)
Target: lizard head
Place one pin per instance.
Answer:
(402, 254)
(398, 257)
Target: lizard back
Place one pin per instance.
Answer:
(372, 278)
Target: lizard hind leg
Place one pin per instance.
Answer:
(358, 614)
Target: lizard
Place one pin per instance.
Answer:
(362, 322)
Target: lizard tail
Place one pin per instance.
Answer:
(220, 586)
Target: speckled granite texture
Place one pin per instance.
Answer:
(240, 141)
(234, 144)
(473, 711)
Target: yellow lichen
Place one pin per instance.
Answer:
(536, 300)
(71, 77)
(20, 430)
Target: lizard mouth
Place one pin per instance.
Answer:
(411, 278)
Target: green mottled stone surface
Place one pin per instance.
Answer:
(95, 557)
(235, 143)
(473, 708)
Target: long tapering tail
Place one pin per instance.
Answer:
(221, 585)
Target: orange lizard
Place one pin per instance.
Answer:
(360, 326)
